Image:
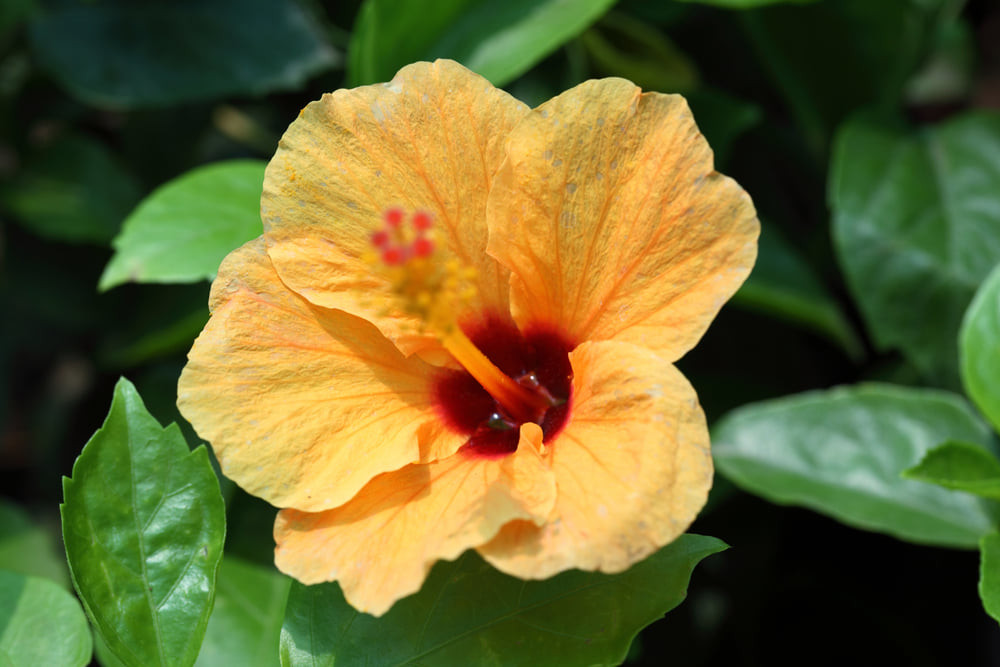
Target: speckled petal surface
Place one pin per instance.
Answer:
(431, 140)
(381, 545)
(303, 405)
(613, 221)
(632, 468)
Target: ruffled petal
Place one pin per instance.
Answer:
(430, 140)
(303, 405)
(381, 545)
(632, 468)
(613, 222)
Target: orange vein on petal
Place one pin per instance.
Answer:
(303, 406)
(630, 235)
(632, 468)
(355, 153)
(381, 545)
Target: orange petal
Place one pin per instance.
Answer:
(431, 140)
(381, 545)
(303, 406)
(632, 468)
(613, 222)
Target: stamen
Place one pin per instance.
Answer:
(437, 292)
(520, 402)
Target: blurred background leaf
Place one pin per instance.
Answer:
(72, 190)
(783, 285)
(245, 625)
(498, 40)
(119, 53)
(841, 452)
(41, 623)
(917, 229)
(29, 549)
(820, 55)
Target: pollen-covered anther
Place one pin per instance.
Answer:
(428, 286)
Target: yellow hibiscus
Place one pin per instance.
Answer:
(399, 417)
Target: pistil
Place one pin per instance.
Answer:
(522, 403)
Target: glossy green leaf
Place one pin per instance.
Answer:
(41, 623)
(72, 190)
(182, 231)
(245, 625)
(841, 452)
(783, 285)
(143, 524)
(29, 549)
(989, 574)
(467, 613)
(499, 40)
(917, 228)
(166, 52)
(979, 348)
(960, 466)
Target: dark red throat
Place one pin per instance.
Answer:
(538, 358)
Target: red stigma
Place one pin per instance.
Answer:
(395, 245)
(423, 247)
(394, 256)
(393, 217)
(422, 221)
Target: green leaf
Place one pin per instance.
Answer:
(841, 452)
(245, 625)
(989, 574)
(467, 613)
(41, 623)
(167, 52)
(917, 228)
(783, 285)
(143, 523)
(979, 347)
(184, 229)
(72, 190)
(499, 40)
(960, 466)
(27, 548)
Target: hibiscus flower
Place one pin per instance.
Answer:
(458, 331)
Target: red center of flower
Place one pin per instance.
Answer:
(537, 360)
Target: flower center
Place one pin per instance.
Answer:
(509, 378)
(537, 359)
